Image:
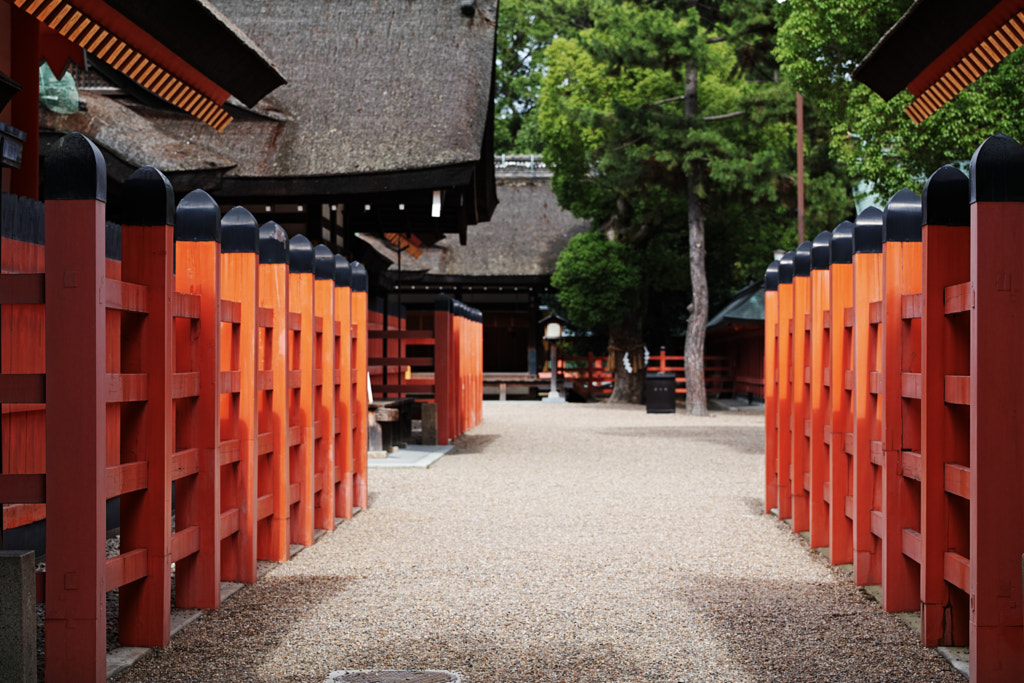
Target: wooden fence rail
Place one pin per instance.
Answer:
(893, 403)
(213, 359)
(591, 376)
(451, 377)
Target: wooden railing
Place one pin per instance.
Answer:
(212, 356)
(450, 378)
(590, 377)
(893, 370)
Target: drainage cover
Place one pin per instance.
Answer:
(393, 677)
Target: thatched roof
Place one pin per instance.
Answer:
(520, 243)
(371, 87)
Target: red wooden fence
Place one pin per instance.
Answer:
(591, 377)
(906, 409)
(214, 359)
(452, 378)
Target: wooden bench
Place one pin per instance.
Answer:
(394, 415)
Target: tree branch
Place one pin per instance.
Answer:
(730, 115)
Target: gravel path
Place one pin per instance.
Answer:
(567, 543)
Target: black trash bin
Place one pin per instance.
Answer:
(660, 392)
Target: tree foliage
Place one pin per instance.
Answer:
(820, 42)
(667, 110)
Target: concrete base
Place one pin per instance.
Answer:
(17, 616)
(553, 398)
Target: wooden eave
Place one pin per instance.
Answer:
(128, 45)
(939, 47)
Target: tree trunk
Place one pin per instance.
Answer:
(624, 338)
(696, 391)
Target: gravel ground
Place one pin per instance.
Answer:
(569, 543)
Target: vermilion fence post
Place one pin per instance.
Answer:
(344, 404)
(867, 439)
(800, 465)
(197, 497)
(997, 404)
(239, 262)
(820, 412)
(302, 401)
(945, 427)
(273, 527)
(901, 408)
(360, 360)
(841, 443)
(76, 391)
(147, 242)
(771, 384)
(323, 296)
(784, 450)
(442, 367)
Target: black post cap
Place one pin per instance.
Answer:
(786, 268)
(821, 251)
(239, 232)
(771, 276)
(997, 171)
(323, 266)
(360, 278)
(197, 218)
(273, 243)
(342, 271)
(867, 232)
(842, 243)
(947, 198)
(901, 220)
(148, 198)
(802, 260)
(75, 170)
(300, 254)
(443, 302)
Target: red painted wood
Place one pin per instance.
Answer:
(442, 374)
(783, 457)
(323, 517)
(238, 412)
(997, 468)
(868, 287)
(272, 469)
(344, 406)
(820, 407)
(197, 500)
(771, 383)
(302, 407)
(22, 488)
(801, 404)
(945, 430)
(840, 462)
(147, 438)
(75, 441)
(360, 402)
(901, 424)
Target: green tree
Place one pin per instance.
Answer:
(635, 149)
(525, 30)
(820, 43)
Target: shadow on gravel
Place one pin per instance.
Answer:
(745, 439)
(798, 631)
(470, 444)
(233, 642)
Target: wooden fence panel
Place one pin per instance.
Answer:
(901, 403)
(197, 353)
(302, 399)
(784, 443)
(147, 429)
(771, 385)
(945, 427)
(819, 357)
(801, 404)
(360, 369)
(323, 460)
(997, 402)
(76, 397)
(841, 443)
(273, 510)
(344, 388)
(239, 262)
